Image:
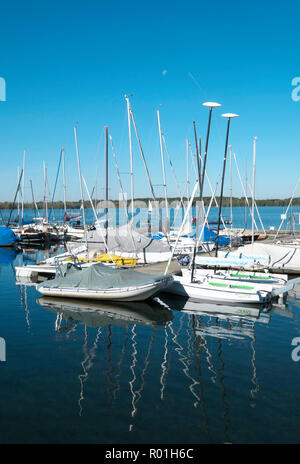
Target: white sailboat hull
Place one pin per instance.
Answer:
(211, 291)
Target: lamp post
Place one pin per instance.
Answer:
(229, 116)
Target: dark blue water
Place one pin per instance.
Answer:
(144, 373)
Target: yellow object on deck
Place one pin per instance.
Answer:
(104, 258)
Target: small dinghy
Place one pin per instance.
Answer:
(100, 282)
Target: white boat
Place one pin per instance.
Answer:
(100, 282)
(272, 280)
(278, 257)
(225, 290)
(208, 288)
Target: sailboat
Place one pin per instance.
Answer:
(224, 287)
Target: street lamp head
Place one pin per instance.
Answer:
(211, 104)
(230, 115)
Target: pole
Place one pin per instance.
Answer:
(230, 168)
(45, 192)
(64, 179)
(106, 187)
(182, 225)
(80, 181)
(253, 187)
(13, 205)
(222, 187)
(163, 166)
(23, 184)
(205, 152)
(131, 159)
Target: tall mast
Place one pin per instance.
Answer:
(230, 189)
(163, 166)
(106, 185)
(23, 183)
(64, 179)
(45, 190)
(18, 195)
(253, 187)
(187, 171)
(228, 116)
(131, 159)
(145, 164)
(246, 212)
(80, 178)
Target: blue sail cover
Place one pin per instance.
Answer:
(209, 235)
(7, 237)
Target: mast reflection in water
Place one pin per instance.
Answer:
(193, 345)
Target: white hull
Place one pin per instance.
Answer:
(139, 293)
(281, 257)
(208, 290)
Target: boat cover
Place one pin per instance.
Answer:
(99, 277)
(7, 236)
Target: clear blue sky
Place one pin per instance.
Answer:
(70, 61)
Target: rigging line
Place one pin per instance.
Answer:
(144, 162)
(242, 184)
(52, 201)
(119, 177)
(173, 170)
(210, 186)
(290, 202)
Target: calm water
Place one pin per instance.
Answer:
(141, 373)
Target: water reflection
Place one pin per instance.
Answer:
(100, 313)
(198, 348)
(71, 312)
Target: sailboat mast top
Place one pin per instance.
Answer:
(163, 165)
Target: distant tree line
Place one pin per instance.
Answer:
(6, 205)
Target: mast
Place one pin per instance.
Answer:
(106, 187)
(187, 171)
(13, 205)
(246, 212)
(253, 187)
(45, 192)
(145, 165)
(228, 116)
(230, 189)
(64, 179)
(23, 183)
(80, 179)
(33, 200)
(18, 195)
(163, 166)
(131, 159)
